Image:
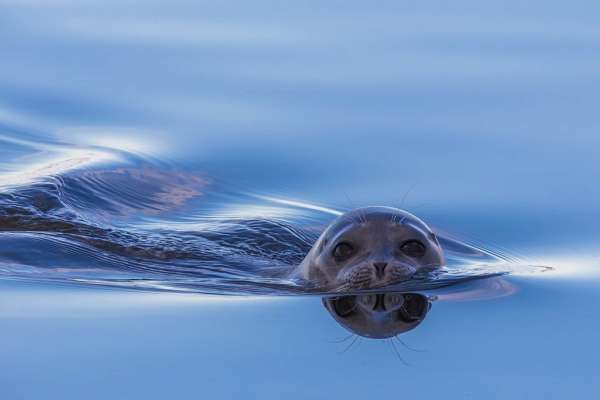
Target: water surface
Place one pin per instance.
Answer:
(161, 165)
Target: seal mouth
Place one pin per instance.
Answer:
(368, 277)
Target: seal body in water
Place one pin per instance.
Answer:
(371, 247)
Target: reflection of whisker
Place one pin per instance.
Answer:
(341, 340)
(391, 342)
(350, 345)
(408, 347)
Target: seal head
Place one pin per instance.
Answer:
(371, 247)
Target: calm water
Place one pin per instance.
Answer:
(163, 166)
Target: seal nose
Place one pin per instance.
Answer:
(380, 269)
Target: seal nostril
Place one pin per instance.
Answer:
(379, 269)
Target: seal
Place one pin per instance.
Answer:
(371, 247)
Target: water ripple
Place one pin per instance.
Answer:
(124, 221)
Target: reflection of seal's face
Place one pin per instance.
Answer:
(372, 247)
(380, 315)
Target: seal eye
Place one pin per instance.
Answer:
(413, 248)
(343, 251)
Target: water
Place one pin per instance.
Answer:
(163, 167)
(100, 217)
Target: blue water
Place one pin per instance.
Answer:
(94, 216)
(162, 166)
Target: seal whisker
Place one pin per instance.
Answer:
(395, 349)
(350, 202)
(342, 340)
(357, 217)
(410, 189)
(360, 340)
(408, 347)
(350, 345)
(342, 288)
(363, 214)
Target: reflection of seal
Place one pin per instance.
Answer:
(378, 315)
(371, 247)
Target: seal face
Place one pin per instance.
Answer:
(371, 247)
